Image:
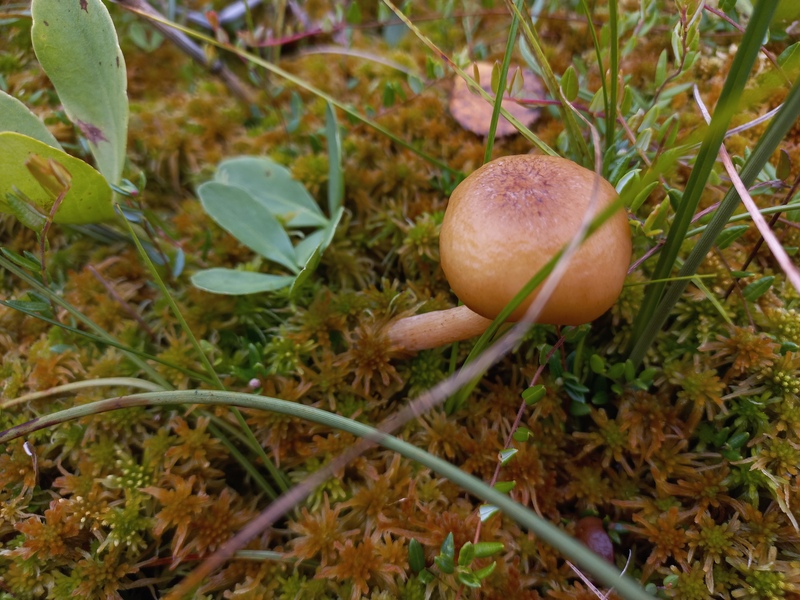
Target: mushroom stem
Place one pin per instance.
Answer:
(437, 328)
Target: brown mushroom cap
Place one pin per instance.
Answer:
(511, 216)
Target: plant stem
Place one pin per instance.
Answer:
(437, 328)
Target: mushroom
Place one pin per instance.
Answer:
(505, 222)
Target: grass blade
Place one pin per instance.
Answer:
(501, 86)
(706, 157)
(777, 130)
(546, 531)
(577, 140)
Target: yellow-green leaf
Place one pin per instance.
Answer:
(88, 199)
(77, 46)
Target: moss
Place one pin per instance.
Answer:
(694, 468)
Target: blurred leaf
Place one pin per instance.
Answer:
(25, 212)
(322, 238)
(730, 235)
(335, 174)
(353, 14)
(487, 549)
(505, 486)
(272, 185)
(234, 283)
(448, 546)
(661, 69)
(758, 288)
(784, 168)
(469, 579)
(466, 554)
(485, 571)
(533, 394)
(77, 47)
(248, 220)
(486, 511)
(144, 36)
(15, 116)
(88, 200)
(506, 455)
(569, 84)
(295, 112)
(416, 556)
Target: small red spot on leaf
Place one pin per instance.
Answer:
(84, 5)
(93, 133)
(118, 62)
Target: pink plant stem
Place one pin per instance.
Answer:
(792, 274)
(518, 420)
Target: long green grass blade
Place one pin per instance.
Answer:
(707, 155)
(501, 86)
(576, 138)
(611, 106)
(255, 446)
(776, 131)
(544, 530)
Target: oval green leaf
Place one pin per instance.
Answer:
(77, 47)
(238, 283)
(241, 215)
(273, 186)
(758, 288)
(88, 200)
(15, 116)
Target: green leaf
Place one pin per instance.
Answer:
(487, 549)
(569, 84)
(28, 261)
(15, 116)
(325, 236)
(273, 186)
(445, 564)
(466, 554)
(448, 548)
(784, 168)
(485, 511)
(26, 213)
(522, 434)
(758, 288)
(88, 200)
(661, 69)
(469, 579)
(237, 283)
(534, 394)
(485, 571)
(416, 556)
(353, 14)
(579, 409)
(77, 47)
(642, 195)
(730, 235)
(335, 174)
(248, 220)
(505, 486)
(426, 577)
(506, 455)
(712, 298)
